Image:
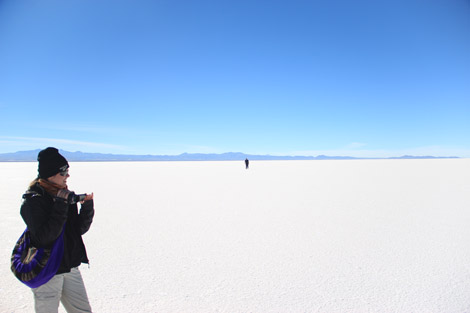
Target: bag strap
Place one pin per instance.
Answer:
(31, 194)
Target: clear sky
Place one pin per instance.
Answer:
(360, 78)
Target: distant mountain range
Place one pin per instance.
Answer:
(31, 155)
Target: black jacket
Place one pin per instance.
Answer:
(46, 217)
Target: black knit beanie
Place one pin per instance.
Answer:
(50, 162)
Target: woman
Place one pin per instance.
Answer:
(47, 210)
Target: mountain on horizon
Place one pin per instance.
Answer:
(78, 156)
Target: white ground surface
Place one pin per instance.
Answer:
(287, 236)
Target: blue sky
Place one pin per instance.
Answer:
(360, 78)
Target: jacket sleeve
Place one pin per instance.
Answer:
(44, 219)
(87, 212)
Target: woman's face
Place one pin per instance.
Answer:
(60, 179)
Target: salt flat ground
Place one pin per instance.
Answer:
(283, 236)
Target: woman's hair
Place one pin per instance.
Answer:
(34, 182)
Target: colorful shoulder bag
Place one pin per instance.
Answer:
(36, 266)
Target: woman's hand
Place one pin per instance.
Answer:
(88, 197)
(63, 194)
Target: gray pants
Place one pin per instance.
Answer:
(67, 288)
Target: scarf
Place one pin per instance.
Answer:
(47, 185)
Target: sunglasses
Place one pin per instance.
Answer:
(64, 170)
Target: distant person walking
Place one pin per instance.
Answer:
(48, 209)
(247, 163)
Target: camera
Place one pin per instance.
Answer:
(74, 198)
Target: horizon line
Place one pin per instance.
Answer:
(186, 156)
